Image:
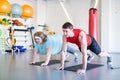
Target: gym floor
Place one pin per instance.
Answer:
(16, 67)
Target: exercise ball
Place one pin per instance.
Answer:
(27, 11)
(5, 7)
(16, 10)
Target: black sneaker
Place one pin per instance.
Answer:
(90, 58)
(109, 60)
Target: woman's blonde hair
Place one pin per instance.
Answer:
(41, 35)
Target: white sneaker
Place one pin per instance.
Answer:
(109, 60)
(76, 59)
(67, 55)
(89, 59)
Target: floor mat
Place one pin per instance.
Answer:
(76, 67)
(50, 63)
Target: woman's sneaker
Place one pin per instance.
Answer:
(89, 59)
(67, 55)
(76, 58)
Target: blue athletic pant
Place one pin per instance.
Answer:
(70, 50)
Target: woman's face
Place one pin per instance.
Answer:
(38, 40)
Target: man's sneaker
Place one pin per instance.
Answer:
(90, 58)
(76, 59)
(109, 60)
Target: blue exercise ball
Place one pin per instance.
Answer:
(16, 10)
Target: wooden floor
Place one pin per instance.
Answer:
(16, 67)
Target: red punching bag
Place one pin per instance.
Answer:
(93, 23)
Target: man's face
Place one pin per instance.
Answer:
(67, 32)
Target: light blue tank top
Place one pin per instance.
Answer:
(53, 41)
